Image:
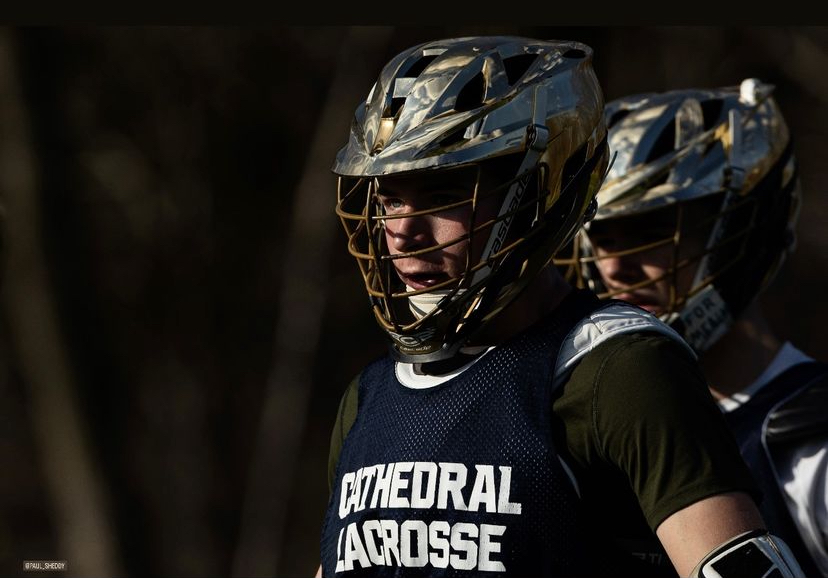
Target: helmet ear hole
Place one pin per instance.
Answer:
(591, 210)
(573, 166)
(575, 196)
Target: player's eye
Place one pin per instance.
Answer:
(391, 204)
(603, 242)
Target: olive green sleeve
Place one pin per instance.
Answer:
(651, 417)
(344, 420)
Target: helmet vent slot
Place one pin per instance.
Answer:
(664, 144)
(453, 138)
(402, 88)
(516, 66)
(471, 95)
(659, 180)
(396, 105)
(420, 65)
(574, 53)
(711, 110)
(615, 118)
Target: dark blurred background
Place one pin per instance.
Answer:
(180, 314)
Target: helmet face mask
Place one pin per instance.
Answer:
(473, 271)
(487, 140)
(659, 259)
(701, 205)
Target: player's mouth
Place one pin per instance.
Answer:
(423, 279)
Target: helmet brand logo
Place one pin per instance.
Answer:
(503, 229)
(414, 339)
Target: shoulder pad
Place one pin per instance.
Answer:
(615, 318)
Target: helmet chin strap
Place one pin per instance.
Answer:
(424, 303)
(706, 317)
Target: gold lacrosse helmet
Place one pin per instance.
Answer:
(475, 103)
(722, 161)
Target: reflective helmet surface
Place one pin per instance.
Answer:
(473, 102)
(729, 148)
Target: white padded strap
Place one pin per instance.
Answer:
(604, 324)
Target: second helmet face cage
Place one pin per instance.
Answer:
(473, 102)
(746, 225)
(708, 260)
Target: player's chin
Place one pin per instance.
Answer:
(656, 310)
(646, 303)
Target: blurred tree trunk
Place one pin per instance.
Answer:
(304, 294)
(79, 498)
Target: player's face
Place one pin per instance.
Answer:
(402, 196)
(646, 277)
